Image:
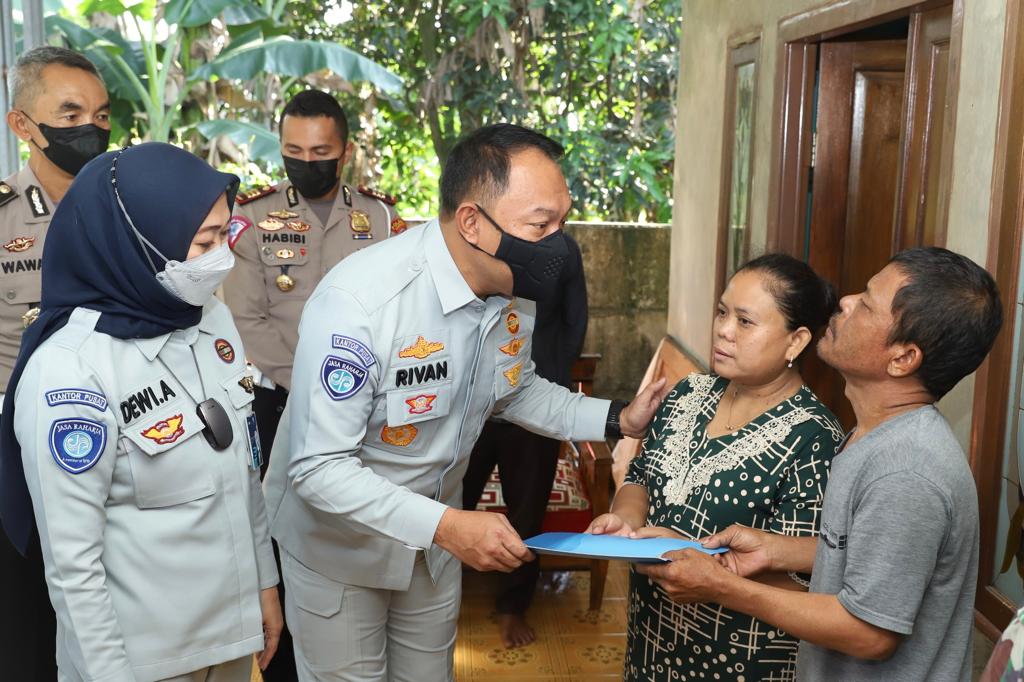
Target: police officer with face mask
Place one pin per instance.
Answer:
(394, 378)
(129, 421)
(61, 110)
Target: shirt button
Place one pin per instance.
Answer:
(11, 293)
(415, 267)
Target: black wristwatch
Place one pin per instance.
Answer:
(612, 427)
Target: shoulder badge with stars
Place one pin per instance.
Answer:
(7, 193)
(250, 195)
(376, 194)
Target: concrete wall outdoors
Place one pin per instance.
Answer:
(627, 291)
(707, 28)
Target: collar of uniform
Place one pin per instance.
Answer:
(152, 347)
(452, 289)
(25, 179)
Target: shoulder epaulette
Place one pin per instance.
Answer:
(376, 194)
(7, 193)
(243, 198)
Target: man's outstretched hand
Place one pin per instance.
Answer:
(482, 540)
(636, 417)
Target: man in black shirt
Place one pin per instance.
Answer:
(526, 461)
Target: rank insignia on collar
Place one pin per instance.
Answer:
(377, 194)
(271, 224)
(166, 431)
(283, 214)
(421, 404)
(243, 198)
(285, 254)
(225, 351)
(298, 225)
(7, 193)
(359, 222)
(421, 349)
(398, 226)
(512, 323)
(399, 436)
(512, 375)
(293, 197)
(346, 194)
(19, 244)
(513, 347)
(36, 203)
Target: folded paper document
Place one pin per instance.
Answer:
(640, 550)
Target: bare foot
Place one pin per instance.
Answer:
(515, 631)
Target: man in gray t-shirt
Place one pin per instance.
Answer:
(899, 549)
(894, 569)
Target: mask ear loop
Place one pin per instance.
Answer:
(124, 211)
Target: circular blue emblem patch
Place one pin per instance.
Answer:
(77, 444)
(342, 378)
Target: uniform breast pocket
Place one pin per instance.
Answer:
(285, 259)
(169, 459)
(406, 420)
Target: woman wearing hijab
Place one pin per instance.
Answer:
(134, 432)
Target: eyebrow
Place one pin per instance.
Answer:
(71, 106)
(104, 107)
(741, 311)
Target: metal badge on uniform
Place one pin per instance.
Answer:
(398, 226)
(19, 244)
(7, 193)
(30, 316)
(359, 222)
(225, 351)
(255, 452)
(285, 254)
(271, 224)
(293, 197)
(283, 281)
(36, 203)
(298, 226)
(283, 214)
(248, 384)
(77, 444)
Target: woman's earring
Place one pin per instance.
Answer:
(790, 363)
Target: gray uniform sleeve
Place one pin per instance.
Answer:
(266, 567)
(245, 292)
(552, 410)
(329, 413)
(899, 525)
(69, 451)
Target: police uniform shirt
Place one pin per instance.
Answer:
(394, 378)
(156, 545)
(25, 213)
(282, 252)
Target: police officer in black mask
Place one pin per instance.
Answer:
(62, 112)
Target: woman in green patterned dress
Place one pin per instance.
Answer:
(749, 444)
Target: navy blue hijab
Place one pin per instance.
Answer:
(92, 259)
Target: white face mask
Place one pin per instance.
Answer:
(195, 280)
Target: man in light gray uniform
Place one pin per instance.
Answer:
(895, 566)
(404, 351)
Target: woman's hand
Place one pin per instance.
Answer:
(609, 524)
(273, 623)
(657, 532)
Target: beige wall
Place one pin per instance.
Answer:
(708, 26)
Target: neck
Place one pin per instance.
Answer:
(875, 402)
(485, 274)
(786, 382)
(53, 180)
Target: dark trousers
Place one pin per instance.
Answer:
(28, 625)
(268, 405)
(526, 465)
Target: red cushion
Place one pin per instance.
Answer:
(568, 509)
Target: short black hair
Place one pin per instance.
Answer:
(313, 103)
(479, 162)
(950, 309)
(802, 296)
(25, 78)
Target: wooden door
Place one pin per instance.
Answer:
(855, 177)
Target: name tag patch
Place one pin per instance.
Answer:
(355, 347)
(419, 374)
(76, 396)
(342, 379)
(76, 444)
(149, 398)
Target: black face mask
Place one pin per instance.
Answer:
(71, 148)
(536, 266)
(313, 179)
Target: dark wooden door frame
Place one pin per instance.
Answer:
(993, 382)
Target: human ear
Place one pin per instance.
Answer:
(467, 220)
(905, 361)
(17, 122)
(798, 341)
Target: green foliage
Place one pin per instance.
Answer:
(597, 75)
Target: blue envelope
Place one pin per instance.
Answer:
(640, 550)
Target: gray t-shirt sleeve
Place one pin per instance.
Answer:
(899, 526)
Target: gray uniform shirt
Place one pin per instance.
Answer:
(25, 213)
(398, 366)
(303, 248)
(155, 544)
(899, 547)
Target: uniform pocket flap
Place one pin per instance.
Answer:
(239, 388)
(284, 252)
(413, 405)
(165, 431)
(312, 592)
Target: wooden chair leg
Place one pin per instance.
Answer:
(598, 575)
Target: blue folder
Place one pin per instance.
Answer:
(640, 550)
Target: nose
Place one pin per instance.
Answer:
(846, 303)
